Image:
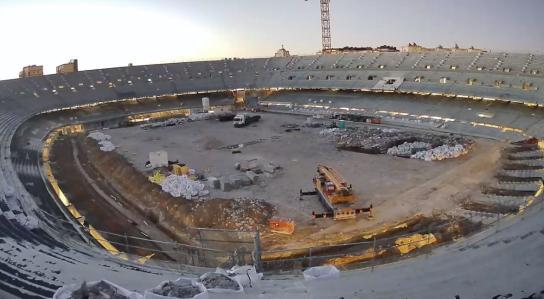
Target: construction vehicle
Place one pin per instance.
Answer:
(335, 194)
(281, 226)
(245, 119)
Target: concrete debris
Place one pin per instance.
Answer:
(254, 177)
(248, 165)
(225, 184)
(96, 290)
(271, 168)
(182, 186)
(103, 140)
(214, 182)
(373, 140)
(240, 180)
(181, 288)
(441, 152)
(246, 214)
(409, 148)
(218, 282)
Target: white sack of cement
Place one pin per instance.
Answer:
(182, 186)
(321, 272)
(247, 275)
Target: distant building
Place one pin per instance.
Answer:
(415, 48)
(282, 52)
(31, 71)
(349, 49)
(386, 48)
(70, 67)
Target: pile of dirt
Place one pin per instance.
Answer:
(239, 214)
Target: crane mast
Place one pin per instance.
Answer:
(325, 26)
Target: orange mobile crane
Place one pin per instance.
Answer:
(333, 191)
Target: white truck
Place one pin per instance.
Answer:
(245, 119)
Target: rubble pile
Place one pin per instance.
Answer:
(181, 288)
(416, 145)
(219, 281)
(183, 186)
(372, 140)
(238, 216)
(408, 148)
(103, 140)
(96, 290)
(441, 152)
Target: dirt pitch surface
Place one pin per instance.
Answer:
(398, 188)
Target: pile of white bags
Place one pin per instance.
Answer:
(183, 186)
(441, 152)
(103, 140)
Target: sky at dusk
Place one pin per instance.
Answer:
(114, 33)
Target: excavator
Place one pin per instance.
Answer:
(335, 194)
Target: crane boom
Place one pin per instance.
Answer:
(325, 26)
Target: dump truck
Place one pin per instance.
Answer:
(335, 194)
(245, 119)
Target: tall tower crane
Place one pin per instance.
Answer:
(325, 26)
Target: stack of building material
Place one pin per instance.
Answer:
(183, 186)
(200, 116)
